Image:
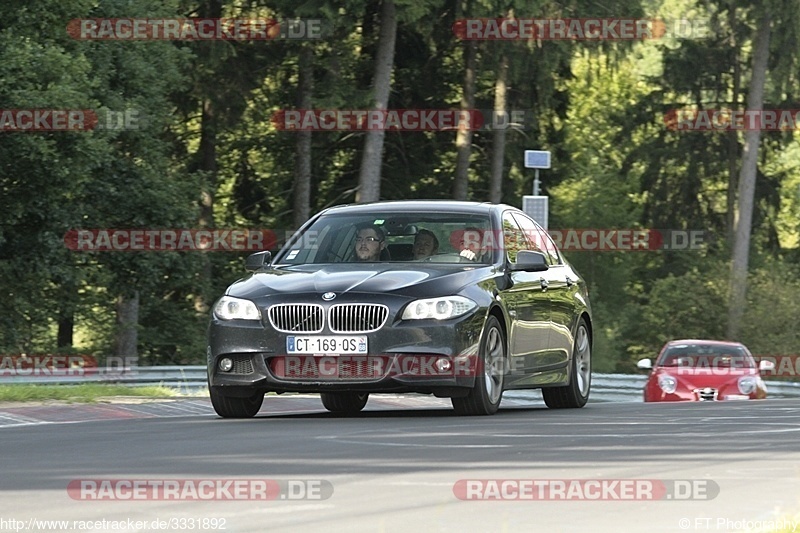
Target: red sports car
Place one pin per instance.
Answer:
(702, 370)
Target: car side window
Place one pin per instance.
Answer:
(539, 238)
(513, 238)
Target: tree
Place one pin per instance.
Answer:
(464, 135)
(302, 177)
(369, 180)
(747, 180)
(42, 68)
(499, 133)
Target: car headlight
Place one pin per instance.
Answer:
(229, 308)
(438, 308)
(747, 384)
(668, 383)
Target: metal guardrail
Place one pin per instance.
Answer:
(177, 377)
(605, 387)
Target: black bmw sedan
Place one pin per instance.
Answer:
(457, 299)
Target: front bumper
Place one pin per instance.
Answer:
(403, 356)
(702, 394)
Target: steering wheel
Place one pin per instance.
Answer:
(447, 257)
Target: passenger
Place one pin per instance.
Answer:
(471, 244)
(370, 242)
(425, 244)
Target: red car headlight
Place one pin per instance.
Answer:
(747, 384)
(667, 383)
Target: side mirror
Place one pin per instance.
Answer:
(644, 364)
(530, 261)
(257, 261)
(766, 366)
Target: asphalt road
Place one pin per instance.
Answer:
(398, 469)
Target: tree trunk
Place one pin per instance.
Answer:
(747, 182)
(207, 155)
(66, 314)
(369, 180)
(499, 132)
(733, 137)
(126, 336)
(302, 169)
(66, 326)
(207, 150)
(207, 164)
(464, 135)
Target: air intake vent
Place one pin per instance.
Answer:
(242, 364)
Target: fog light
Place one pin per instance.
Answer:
(443, 365)
(225, 364)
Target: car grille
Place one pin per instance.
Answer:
(293, 318)
(357, 318)
(707, 394)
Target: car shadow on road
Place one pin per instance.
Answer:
(402, 413)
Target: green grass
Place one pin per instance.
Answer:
(83, 393)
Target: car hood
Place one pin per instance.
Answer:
(344, 278)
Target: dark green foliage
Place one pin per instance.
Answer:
(598, 107)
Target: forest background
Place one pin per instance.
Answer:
(204, 152)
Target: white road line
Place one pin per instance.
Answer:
(9, 420)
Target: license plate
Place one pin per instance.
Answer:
(737, 397)
(332, 344)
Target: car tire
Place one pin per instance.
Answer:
(576, 393)
(233, 407)
(346, 403)
(485, 396)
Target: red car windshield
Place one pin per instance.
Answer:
(706, 357)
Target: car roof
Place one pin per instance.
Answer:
(440, 206)
(704, 341)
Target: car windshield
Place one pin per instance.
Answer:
(706, 356)
(394, 237)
